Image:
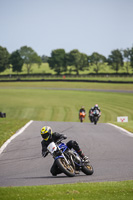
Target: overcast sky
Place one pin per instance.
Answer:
(87, 25)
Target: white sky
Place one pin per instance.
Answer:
(87, 25)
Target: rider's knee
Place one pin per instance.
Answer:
(73, 144)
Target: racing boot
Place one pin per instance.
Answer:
(83, 157)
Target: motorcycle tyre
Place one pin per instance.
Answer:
(63, 169)
(81, 119)
(88, 170)
(95, 121)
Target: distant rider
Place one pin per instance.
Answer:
(82, 109)
(91, 111)
(48, 136)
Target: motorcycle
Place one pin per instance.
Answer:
(68, 160)
(94, 116)
(82, 116)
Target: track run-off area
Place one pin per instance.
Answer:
(108, 148)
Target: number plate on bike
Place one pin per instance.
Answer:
(52, 147)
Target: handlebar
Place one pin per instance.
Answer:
(59, 141)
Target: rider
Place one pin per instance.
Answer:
(48, 136)
(97, 108)
(92, 109)
(82, 109)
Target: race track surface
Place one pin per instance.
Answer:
(109, 149)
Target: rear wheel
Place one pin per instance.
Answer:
(65, 168)
(87, 169)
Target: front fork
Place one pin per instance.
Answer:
(60, 155)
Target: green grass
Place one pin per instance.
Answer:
(70, 85)
(43, 68)
(92, 191)
(60, 105)
(9, 126)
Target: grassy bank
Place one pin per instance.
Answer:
(92, 191)
(65, 85)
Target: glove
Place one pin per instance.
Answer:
(64, 137)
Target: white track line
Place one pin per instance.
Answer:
(14, 136)
(122, 129)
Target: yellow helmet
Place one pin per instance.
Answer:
(46, 132)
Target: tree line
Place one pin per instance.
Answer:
(59, 60)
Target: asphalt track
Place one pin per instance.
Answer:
(110, 151)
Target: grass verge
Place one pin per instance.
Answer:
(92, 191)
(8, 127)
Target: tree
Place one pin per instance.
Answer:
(4, 59)
(30, 57)
(96, 59)
(74, 60)
(84, 62)
(57, 61)
(16, 61)
(78, 60)
(131, 58)
(126, 55)
(115, 59)
(44, 58)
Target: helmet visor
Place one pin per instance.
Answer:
(45, 136)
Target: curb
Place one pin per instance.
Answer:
(122, 129)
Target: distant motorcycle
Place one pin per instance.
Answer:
(82, 116)
(94, 116)
(68, 160)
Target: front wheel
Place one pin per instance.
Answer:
(65, 168)
(81, 119)
(95, 120)
(87, 169)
